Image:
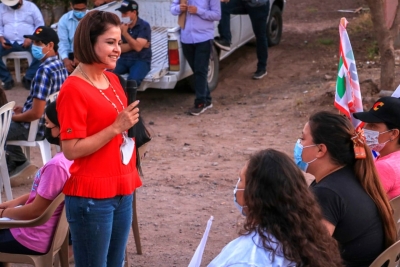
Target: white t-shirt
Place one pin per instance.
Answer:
(243, 252)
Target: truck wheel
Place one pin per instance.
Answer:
(274, 26)
(213, 72)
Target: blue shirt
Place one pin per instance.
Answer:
(141, 29)
(48, 79)
(66, 28)
(199, 27)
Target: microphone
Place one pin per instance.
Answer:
(131, 89)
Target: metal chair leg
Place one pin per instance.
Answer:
(135, 226)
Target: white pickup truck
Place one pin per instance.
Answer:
(168, 65)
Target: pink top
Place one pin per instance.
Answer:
(49, 182)
(388, 168)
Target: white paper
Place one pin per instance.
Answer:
(396, 93)
(198, 254)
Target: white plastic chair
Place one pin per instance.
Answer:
(17, 61)
(5, 121)
(44, 145)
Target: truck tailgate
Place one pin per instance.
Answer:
(159, 48)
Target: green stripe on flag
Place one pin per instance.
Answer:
(341, 81)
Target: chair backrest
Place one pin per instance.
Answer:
(5, 121)
(53, 96)
(60, 232)
(46, 215)
(33, 128)
(388, 258)
(395, 203)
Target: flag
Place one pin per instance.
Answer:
(196, 259)
(396, 93)
(348, 95)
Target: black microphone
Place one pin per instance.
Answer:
(131, 89)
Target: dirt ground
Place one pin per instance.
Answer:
(193, 162)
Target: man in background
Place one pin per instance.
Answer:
(66, 31)
(136, 37)
(18, 18)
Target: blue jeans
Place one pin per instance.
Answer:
(99, 229)
(198, 57)
(136, 69)
(5, 75)
(258, 17)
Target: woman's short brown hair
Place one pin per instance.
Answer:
(93, 24)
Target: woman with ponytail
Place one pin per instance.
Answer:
(355, 207)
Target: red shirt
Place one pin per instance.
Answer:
(83, 111)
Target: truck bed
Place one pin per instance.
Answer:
(159, 48)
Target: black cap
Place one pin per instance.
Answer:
(386, 110)
(44, 34)
(51, 113)
(128, 5)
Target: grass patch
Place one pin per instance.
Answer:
(312, 10)
(325, 41)
(372, 50)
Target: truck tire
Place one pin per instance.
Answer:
(274, 26)
(213, 72)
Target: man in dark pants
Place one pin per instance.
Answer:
(258, 13)
(196, 40)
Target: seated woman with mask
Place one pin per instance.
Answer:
(356, 210)
(47, 185)
(283, 225)
(382, 135)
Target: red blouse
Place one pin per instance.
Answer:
(83, 111)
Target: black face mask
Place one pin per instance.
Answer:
(52, 140)
(16, 6)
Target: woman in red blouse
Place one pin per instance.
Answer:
(94, 117)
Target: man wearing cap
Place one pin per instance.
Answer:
(49, 77)
(136, 37)
(66, 28)
(382, 135)
(17, 18)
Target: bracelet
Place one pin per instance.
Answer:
(1, 214)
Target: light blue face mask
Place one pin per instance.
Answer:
(297, 155)
(79, 14)
(237, 205)
(37, 52)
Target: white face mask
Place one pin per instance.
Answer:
(126, 20)
(372, 137)
(237, 205)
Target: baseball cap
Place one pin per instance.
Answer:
(44, 34)
(386, 110)
(10, 2)
(128, 5)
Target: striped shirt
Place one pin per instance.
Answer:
(48, 79)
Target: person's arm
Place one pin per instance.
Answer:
(134, 44)
(37, 16)
(15, 202)
(33, 114)
(62, 31)
(329, 226)
(81, 147)
(175, 7)
(29, 211)
(212, 14)
(40, 90)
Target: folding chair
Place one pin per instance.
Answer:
(388, 258)
(5, 121)
(59, 245)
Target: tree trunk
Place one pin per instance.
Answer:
(386, 29)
